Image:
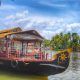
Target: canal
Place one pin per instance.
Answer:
(6, 75)
(73, 72)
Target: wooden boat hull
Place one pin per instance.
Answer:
(47, 68)
(34, 68)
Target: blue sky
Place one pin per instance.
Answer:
(48, 17)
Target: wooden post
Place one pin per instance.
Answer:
(40, 46)
(22, 49)
(11, 48)
(46, 56)
(7, 48)
(27, 47)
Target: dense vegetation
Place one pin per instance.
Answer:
(63, 41)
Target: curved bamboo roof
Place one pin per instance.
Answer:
(18, 31)
(6, 32)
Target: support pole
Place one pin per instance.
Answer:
(22, 49)
(7, 54)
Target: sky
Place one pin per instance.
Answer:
(48, 17)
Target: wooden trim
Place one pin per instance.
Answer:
(6, 47)
(40, 46)
(22, 47)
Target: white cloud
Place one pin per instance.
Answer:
(7, 6)
(73, 25)
(51, 4)
(47, 26)
(23, 14)
(9, 17)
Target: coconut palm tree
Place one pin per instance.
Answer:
(75, 40)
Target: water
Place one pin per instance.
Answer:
(13, 76)
(72, 73)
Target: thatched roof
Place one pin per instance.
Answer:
(6, 32)
(17, 29)
(24, 35)
(28, 35)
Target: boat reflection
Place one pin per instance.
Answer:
(8, 74)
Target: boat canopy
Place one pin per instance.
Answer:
(18, 34)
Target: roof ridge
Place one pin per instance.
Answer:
(10, 30)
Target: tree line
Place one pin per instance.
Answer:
(64, 41)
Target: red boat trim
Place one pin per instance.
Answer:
(24, 60)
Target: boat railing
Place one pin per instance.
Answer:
(13, 53)
(39, 56)
(29, 56)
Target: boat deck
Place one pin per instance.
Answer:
(26, 58)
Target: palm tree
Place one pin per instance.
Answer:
(67, 40)
(63, 41)
(75, 40)
(55, 41)
(46, 43)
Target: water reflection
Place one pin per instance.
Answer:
(7, 74)
(73, 71)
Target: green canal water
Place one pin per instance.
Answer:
(10, 76)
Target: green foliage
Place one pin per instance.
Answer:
(75, 58)
(46, 43)
(63, 41)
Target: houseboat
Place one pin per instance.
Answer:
(24, 50)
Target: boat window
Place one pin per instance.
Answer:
(30, 47)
